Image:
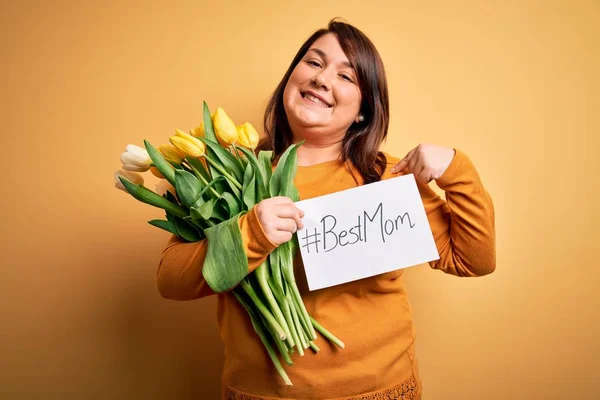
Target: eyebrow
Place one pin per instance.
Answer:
(323, 55)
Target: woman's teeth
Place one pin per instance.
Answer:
(316, 100)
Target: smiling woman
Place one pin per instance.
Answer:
(334, 97)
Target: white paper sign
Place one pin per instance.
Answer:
(364, 231)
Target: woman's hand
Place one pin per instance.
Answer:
(426, 162)
(279, 218)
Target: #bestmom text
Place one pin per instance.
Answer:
(326, 238)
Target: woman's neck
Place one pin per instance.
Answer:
(311, 153)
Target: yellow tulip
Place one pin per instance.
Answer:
(225, 128)
(131, 176)
(187, 144)
(156, 172)
(170, 153)
(198, 131)
(248, 136)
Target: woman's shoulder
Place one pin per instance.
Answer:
(391, 160)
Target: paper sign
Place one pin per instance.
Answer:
(364, 231)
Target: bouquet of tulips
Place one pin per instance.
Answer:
(213, 177)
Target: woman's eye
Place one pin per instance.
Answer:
(315, 63)
(346, 77)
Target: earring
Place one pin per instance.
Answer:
(360, 118)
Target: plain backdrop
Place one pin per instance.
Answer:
(513, 84)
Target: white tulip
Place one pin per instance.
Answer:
(135, 158)
(132, 177)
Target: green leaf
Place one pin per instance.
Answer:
(226, 160)
(261, 189)
(162, 224)
(225, 186)
(214, 182)
(188, 187)
(165, 168)
(206, 209)
(249, 187)
(171, 197)
(231, 203)
(209, 134)
(199, 166)
(220, 213)
(265, 158)
(149, 197)
(226, 262)
(209, 130)
(283, 176)
(184, 229)
(289, 172)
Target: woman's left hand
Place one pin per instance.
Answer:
(426, 162)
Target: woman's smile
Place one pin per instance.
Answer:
(312, 98)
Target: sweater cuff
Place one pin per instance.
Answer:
(453, 171)
(257, 244)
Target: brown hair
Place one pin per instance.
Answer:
(361, 143)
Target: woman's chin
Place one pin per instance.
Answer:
(311, 120)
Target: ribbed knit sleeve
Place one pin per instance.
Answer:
(179, 275)
(463, 225)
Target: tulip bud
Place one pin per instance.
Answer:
(225, 128)
(135, 158)
(171, 154)
(132, 177)
(248, 136)
(187, 144)
(156, 172)
(198, 131)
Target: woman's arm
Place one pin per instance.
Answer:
(179, 275)
(463, 225)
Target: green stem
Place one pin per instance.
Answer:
(281, 345)
(204, 181)
(326, 333)
(222, 171)
(304, 320)
(298, 331)
(271, 321)
(261, 276)
(237, 153)
(258, 328)
(314, 346)
(287, 268)
(302, 308)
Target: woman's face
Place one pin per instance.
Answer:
(322, 97)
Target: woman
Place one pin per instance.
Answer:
(334, 97)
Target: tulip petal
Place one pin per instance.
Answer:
(133, 177)
(225, 128)
(131, 159)
(186, 146)
(120, 186)
(129, 167)
(138, 151)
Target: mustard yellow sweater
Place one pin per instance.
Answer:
(372, 316)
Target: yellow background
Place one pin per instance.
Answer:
(514, 84)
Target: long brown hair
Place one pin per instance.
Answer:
(361, 143)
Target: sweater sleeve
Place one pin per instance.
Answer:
(179, 275)
(463, 225)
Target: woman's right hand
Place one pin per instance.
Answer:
(279, 218)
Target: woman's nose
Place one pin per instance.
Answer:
(321, 80)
